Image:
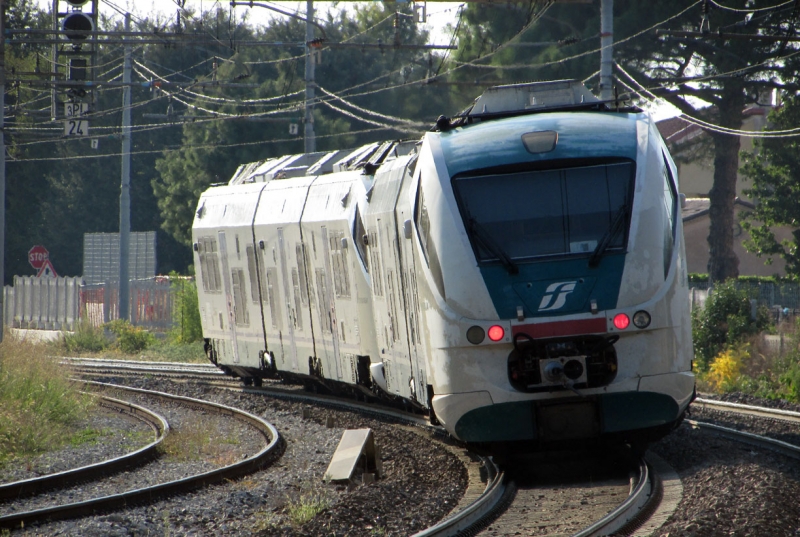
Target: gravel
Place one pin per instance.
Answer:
(423, 480)
(731, 488)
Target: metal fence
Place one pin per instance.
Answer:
(59, 303)
(772, 295)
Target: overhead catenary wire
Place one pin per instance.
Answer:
(785, 133)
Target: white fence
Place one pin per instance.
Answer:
(43, 303)
(59, 303)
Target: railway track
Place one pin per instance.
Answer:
(500, 491)
(158, 423)
(467, 518)
(146, 494)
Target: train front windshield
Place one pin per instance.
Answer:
(557, 212)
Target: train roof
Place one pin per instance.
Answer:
(574, 135)
(367, 157)
(484, 135)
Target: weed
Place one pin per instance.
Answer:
(264, 520)
(306, 508)
(40, 407)
(200, 440)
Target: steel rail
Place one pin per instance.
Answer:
(762, 412)
(457, 522)
(778, 446)
(475, 512)
(148, 494)
(158, 423)
(634, 504)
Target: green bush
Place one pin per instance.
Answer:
(85, 338)
(725, 320)
(186, 314)
(129, 339)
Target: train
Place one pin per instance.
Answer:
(518, 273)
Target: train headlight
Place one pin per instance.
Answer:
(475, 335)
(621, 321)
(496, 332)
(641, 319)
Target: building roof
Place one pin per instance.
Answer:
(697, 207)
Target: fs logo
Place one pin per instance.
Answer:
(556, 295)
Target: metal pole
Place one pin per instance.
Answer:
(125, 194)
(606, 48)
(2, 165)
(310, 143)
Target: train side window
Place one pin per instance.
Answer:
(253, 273)
(423, 222)
(341, 277)
(422, 219)
(272, 288)
(670, 214)
(301, 270)
(375, 254)
(240, 313)
(298, 315)
(670, 195)
(322, 291)
(209, 265)
(360, 238)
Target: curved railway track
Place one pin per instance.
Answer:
(146, 494)
(158, 423)
(644, 497)
(469, 517)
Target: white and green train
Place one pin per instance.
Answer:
(518, 273)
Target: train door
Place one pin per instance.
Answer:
(327, 304)
(408, 261)
(319, 302)
(270, 292)
(228, 289)
(288, 305)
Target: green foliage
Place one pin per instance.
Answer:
(772, 168)
(725, 320)
(186, 312)
(39, 407)
(129, 339)
(85, 338)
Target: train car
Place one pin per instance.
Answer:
(519, 273)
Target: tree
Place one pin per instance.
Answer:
(211, 151)
(726, 74)
(774, 169)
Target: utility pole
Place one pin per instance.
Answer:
(606, 49)
(125, 190)
(310, 142)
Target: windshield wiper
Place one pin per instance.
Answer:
(611, 234)
(480, 234)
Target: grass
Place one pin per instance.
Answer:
(40, 408)
(200, 440)
(306, 508)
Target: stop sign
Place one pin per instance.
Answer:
(37, 256)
